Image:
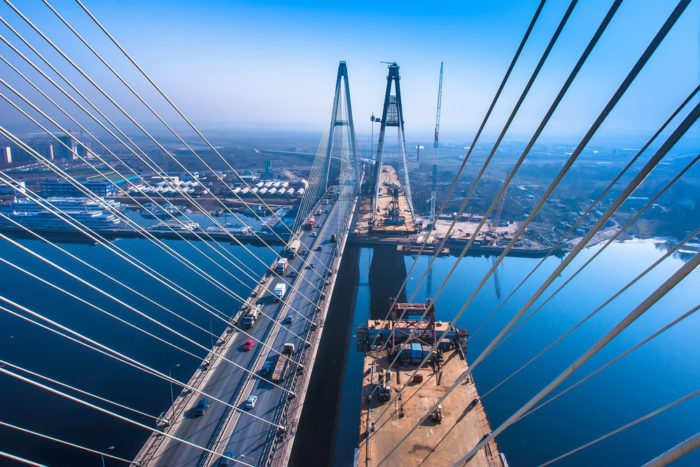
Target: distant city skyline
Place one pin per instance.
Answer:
(271, 65)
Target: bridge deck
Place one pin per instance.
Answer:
(383, 218)
(223, 429)
(464, 421)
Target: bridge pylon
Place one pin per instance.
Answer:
(392, 116)
(336, 159)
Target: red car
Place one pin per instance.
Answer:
(248, 344)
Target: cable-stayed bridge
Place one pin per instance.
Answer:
(243, 404)
(298, 319)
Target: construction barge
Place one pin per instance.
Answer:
(388, 414)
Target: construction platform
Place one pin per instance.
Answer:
(393, 215)
(462, 424)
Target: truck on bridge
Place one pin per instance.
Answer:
(282, 362)
(252, 316)
(293, 248)
(281, 266)
(279, 291)
(309, 224)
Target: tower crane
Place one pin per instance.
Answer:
(433, 194)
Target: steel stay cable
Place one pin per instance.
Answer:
(192, 297)
(631, 317)
(60, 441)
(687, 122)
(182, 115)
(572, 329)
(138, 312)
(22, 460)
(82, 343)
(99, 271)
(670, 142)
(138, 227)
(657, 294)
(152, 163)
(622, 355)
(136, 363)
(101, 310)
(148, 235)
(158, 117)
(624, 427)
(242, 301)
(113, 414)
(469, 151)
(38, 200)
(618, 94)
(590, 208)
(97, 238)
(512, 115)
(676, 452)
(506, 126)
(90, 194)
(609, 242)
(114, 169)
(589, 134)
(124, 321)
(73, 388)
(126, 114)
(64, 92)
(560, 95)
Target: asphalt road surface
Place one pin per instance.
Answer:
(223, 429)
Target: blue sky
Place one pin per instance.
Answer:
(269, 64)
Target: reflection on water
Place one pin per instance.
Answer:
(654, 375)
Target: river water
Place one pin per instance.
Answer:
(656, 374)
(661, 371)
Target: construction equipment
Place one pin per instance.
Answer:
(436, 415)
(433, 193)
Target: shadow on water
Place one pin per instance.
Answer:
(317, 426)
(387, 272)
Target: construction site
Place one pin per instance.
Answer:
(403, 420)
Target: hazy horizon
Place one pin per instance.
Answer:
(271, 66)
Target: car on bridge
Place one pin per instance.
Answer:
(250, 402)
(248, 344)
(201, 407)
(314, 234)
(318, 248)
(289, 319)
(310, 266)
(266, 369)
(225, 460)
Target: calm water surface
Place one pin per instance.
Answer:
(654, 375)
(661, 371)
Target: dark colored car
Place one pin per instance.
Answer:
(201, 407)
(265, 370)
(225, 459)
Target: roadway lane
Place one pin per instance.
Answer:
(226, 382)
(249, 437)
